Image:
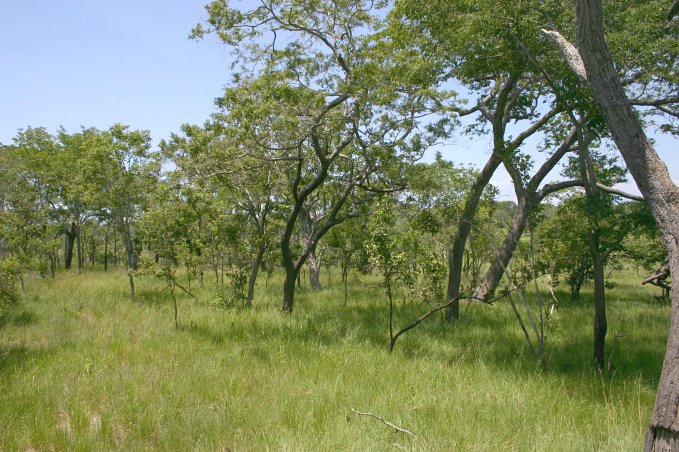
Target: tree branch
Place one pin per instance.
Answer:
(395, 427)
(569, 51)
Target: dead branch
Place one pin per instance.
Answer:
(395, 427)
(419, 320)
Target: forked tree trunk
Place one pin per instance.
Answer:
(655, 184)
(456, 254)
(505, 252)
(254, 270)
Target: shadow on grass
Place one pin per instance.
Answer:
(484, 334)
(153, 297)
(17, 316)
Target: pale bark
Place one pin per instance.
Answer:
(315, 272)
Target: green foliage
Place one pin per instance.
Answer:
(10, 272)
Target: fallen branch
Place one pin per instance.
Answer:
(395, 427)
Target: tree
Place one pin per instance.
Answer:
(491, 49)
(133, 173)
(321, 109)
(29, 188)
(593, 63)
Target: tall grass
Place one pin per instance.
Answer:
(83, 368)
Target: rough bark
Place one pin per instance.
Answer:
(655, 184)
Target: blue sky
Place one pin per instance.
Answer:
(94, 63)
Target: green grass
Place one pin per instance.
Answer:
(83, 368)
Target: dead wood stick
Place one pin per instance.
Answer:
(395, 427)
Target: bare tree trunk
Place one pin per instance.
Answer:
(600, 323)
(315, 272)
(131, 256)
(291, 274)
(655, 184)
(79, 249)
(505, 252)
(68, 246)
(254, 270)
(106, 252)
(456, 254)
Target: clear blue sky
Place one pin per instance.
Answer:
(98, 62)
(94, 63)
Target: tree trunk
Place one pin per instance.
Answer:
(291, 273)
(79, 249)
(655, 184)
(131, 257)
(315, 272)
(506, 251)
(600, 323)
(106, 252)
(68, 246)
(254, 270)
(345, 275)
(456, 254)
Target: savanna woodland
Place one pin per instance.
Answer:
(310, 269)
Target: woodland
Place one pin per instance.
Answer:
(371, 292)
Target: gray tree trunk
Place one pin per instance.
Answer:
(315, 272)
(655, 184)
(505, 252)
(254, 270)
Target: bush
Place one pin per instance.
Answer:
(9, 276)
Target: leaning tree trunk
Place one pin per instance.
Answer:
(456, 254)
(254, 271)
(505, 252)
(655, 184)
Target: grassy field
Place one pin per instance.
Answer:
(83, 368)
